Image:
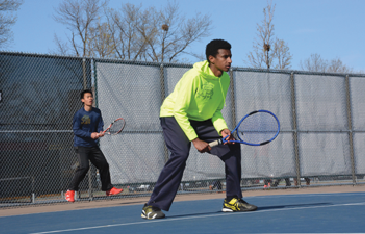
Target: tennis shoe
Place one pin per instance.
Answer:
(70, 196)
(113, 191)
(151, 212)
(237, 205)
(275, 184)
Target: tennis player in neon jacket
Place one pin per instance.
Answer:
(192, 114)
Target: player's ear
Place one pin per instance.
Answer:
(211, 58)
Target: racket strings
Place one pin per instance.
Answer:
(117, 126)
(258, 128)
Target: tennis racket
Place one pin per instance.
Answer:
(115, 127)
(257, 128)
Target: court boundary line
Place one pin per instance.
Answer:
(199, 216)
(141, 203)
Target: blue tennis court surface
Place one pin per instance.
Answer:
(315, 213)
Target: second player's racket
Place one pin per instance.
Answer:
(115, 127)
(256, 128)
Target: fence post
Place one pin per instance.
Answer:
(89, 191)
(162, 83)
(295, 139)
(84, 73)
(233, 105)
(349, 121)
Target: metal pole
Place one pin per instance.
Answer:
(162, 84)
(33, 192)
(90, 165)
(233, 105)
(349, 120)
(295, 136)
(84, 73)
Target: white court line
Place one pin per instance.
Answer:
(310, 195)
(195, 217)
(245, 198)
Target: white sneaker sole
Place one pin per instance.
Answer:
(227, 210)
(149, 217)
(230, 210)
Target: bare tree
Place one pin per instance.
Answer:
(261, 57)
(269, 52)
(282, 54)
(62, 47)
(155, 35)
(131, 29)
(316, 64)
(79, 16)
(174, 34)
(7, 19)
(101, 42)
(337, 66)
(129, 33)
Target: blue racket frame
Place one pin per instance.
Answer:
(223, 140)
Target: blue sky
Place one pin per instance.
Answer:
(330, 28)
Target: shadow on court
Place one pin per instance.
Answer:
(193, 214)
(263, 208)
(293, 206)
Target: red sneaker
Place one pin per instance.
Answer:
(113, 191)
(70, 196)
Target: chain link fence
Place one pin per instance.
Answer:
(39, 96)
(321, 115)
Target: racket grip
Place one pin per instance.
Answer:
(215, 143)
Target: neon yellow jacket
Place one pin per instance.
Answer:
(199, 96)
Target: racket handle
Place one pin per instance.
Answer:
(215, 143)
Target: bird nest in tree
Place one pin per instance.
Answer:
(165, 27)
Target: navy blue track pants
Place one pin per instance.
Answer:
(179, 145)
(96, 156)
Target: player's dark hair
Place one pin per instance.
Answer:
(215, 45)
(85, 91)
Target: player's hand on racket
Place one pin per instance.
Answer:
(201, 145)
(101, 134)
(114, 128)
(94, 135)
(257, 128)
(227, 135)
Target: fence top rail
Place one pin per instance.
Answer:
(10, 53)
(177, 65)
(139, 62)
(295, 72)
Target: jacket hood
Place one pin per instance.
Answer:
(204, 69)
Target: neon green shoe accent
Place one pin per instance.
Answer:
(237, 205)
(150, 212)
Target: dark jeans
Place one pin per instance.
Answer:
(179, 145)
(96, 157)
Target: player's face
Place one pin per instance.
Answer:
(221, 62)
(88, 99)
